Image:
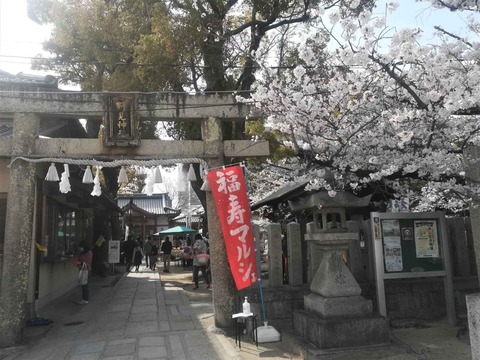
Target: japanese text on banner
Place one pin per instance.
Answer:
(230, 195)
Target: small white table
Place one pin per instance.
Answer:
(238, 334)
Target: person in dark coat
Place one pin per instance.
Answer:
(167, 253)
(128, 247)
(147, 249)
(137, 256)
(153, 257)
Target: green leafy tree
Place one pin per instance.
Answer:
(156, 45)
(180, 45)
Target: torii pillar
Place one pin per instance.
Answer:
(224, 289)
(18, 231)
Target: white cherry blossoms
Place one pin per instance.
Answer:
(379, 105)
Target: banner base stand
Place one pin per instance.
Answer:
(267, 333)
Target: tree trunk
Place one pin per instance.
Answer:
(202, 196)
(214, 72)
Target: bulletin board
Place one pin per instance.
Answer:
(411, 245)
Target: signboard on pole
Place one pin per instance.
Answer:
(114, 251)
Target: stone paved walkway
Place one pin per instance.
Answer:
(135, 319)
(141, 316)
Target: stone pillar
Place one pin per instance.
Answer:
(275, 261)
(369, 247)
(354, 261)
(256, 235)
(314, 256)
(224, 290)
(458, 236)
(294, 247)
(472, 155)
(473, 307)
(18, 235)
(258, 239)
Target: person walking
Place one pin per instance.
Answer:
(137, 256)
(167, 253)
(153, 257)
(200, 259)
(128, 248)
(147, 249)
(85, 257)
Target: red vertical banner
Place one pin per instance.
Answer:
(230, 195)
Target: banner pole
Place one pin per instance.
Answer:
(257, 255)
(265, 333)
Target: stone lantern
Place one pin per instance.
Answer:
(335, 314)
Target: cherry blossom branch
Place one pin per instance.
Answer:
(401, 82)
(462, 5)
(453, 35)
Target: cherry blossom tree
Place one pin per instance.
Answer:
(454, 5)
(380, 107)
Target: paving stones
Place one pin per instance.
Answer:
(136, 319)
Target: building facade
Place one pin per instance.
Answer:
(146, 215)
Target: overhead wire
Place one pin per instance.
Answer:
(58, 62)
(89, 62)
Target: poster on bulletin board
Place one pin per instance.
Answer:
(392, 246)
(426, 239)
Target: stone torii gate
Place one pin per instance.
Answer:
(121, 114)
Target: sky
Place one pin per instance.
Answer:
(411, 13)
(21, 38)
